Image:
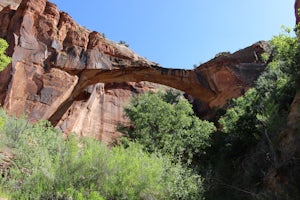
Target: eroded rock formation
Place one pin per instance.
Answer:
(80, 81)
(13, 3)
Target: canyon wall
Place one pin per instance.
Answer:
(80, 80)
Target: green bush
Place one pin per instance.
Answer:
(167, 124)
(45, 166)
(4, 60)
(265, 105)
(251, 127)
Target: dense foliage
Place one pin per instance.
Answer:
(236, 159)
(4, 60)
(247, 146)
(46, 166)
(165, 123)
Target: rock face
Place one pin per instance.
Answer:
(98, 110)
(297, 6)
(80, 81)
(13, 3)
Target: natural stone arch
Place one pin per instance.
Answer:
(212, 83)
(54, 59)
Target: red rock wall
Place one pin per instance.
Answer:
(98, 112)
(35, 32)
(63, 72)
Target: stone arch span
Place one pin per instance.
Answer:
(54, 59)
(213, 83)
(185, 80)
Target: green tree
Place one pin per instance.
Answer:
(4, 60)
(262, 105)
(167, 124)
(251, 128)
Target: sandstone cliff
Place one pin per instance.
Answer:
(80, 81)
(13, 3)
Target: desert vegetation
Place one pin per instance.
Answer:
(4, 59)
(166, 152)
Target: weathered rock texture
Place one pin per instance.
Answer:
(13, 3)
(99, 109)
(80, 81)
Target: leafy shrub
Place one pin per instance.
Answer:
(267, 103)
(45, 166)
(251, 129)
(2, 121)
(4, 60)
(164, 123)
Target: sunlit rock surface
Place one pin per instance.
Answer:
(80, 81)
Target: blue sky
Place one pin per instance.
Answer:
(178, 33)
